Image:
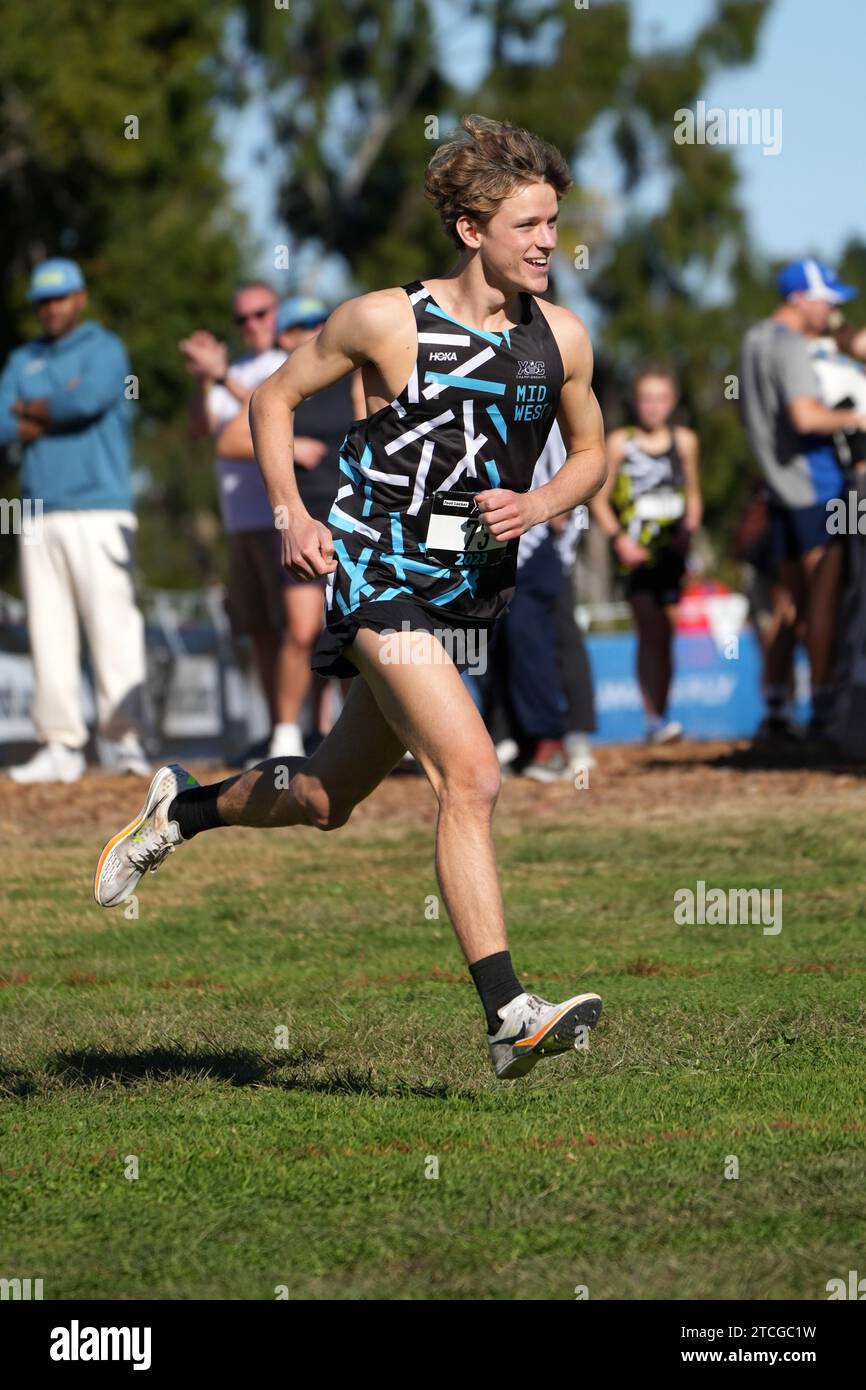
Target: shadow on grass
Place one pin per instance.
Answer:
(758, 757)
(96, 1067)
(16, 1085)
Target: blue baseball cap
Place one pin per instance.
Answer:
(816, 279)
(54, 278)
(301, 311)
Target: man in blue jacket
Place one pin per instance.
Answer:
(64, 399)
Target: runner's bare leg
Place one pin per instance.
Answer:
(422, 705)
(432, 713)
(319, 791)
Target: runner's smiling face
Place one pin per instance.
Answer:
(518, 241)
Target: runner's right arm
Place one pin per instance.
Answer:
(235, 441)
(350, 338)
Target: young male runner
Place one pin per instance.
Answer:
(464, 375)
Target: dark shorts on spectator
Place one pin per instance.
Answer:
(796, 530)
(664, 579)
(257, 582)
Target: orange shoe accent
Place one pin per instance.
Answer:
(536, 1037)
(133, 825)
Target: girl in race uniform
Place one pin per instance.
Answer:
(649, 508)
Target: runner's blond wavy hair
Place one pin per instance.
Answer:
(478, 167)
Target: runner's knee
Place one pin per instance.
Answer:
(471, 782)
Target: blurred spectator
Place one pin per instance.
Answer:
(649, 508)
(572, 657)
(752, 548)
(540, 673)
(790, 431)
(321, 424)
(837, 358)
(255, 585)
(63, 398)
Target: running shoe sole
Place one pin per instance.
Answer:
(557, 1035)
(155, 792)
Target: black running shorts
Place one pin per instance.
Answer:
(459, 637)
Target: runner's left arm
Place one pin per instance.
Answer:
(579, 416)
(507, 514)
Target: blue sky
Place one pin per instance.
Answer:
(811, 196)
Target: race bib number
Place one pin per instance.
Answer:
(663, 505)
(455, 534)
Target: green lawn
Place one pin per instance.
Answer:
(303, 1165)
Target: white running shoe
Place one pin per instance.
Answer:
(532, 1028)
(579, 753)
(144, 843)
(549, 762)
(52, 763)
(506, 751)
(123, 755)
(669, 732)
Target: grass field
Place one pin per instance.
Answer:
(303, 1165)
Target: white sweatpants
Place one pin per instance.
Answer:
(79, 565)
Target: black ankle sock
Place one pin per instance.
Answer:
(497, 985)
(196, 809)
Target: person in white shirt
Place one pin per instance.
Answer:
(838, 361)
(255, 580)
(321, 426)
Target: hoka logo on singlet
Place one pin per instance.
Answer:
(443, 357)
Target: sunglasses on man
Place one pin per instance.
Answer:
(253, 314)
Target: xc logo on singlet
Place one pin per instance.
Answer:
(529, 369)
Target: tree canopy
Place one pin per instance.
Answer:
(109, 153)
